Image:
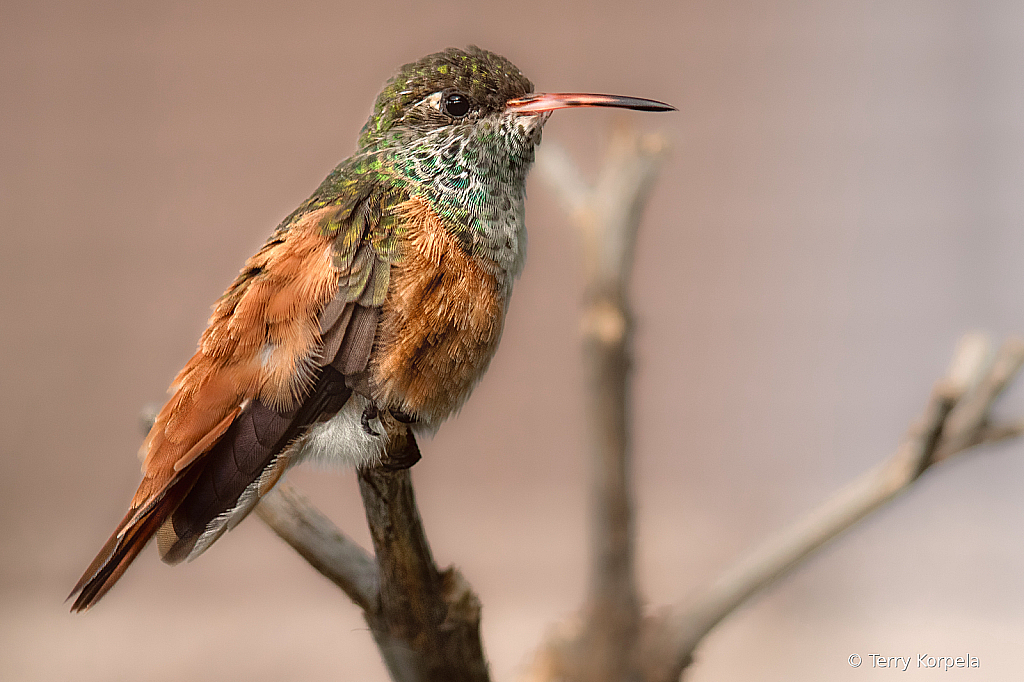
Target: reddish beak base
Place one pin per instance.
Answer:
(564, 100)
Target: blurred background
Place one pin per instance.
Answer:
(843, 200)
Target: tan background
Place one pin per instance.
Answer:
(844, 199)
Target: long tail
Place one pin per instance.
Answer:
(131, 535)
(212, 492)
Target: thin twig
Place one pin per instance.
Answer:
(967, 424)
(606, 214)
(996, 433)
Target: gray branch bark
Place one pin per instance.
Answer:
(317, 540)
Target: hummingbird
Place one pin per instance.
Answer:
(380, 300)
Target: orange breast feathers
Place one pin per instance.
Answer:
(261, 343)
(441, 321)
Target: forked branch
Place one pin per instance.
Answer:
(606, 215)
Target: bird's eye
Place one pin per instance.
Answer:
(455, 104)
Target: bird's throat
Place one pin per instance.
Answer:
(474, 179)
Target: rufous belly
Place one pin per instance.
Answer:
(441, 321)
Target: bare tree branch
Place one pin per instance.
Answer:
(606, 214)
(318, 541)
(608, 641)
(425, 622)
(607, 217)
(954, 419)
(427, 625)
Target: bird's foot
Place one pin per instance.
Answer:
(401, 459)
(396, 457)
(369, 412)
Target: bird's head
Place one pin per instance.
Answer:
(461, 93)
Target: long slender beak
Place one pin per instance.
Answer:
(563, 100)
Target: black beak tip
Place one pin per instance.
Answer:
(634, 103)
(653, 105)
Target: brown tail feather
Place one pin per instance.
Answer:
(130, 537)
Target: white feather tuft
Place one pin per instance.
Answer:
(341, 440)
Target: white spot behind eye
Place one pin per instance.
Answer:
(433, 101)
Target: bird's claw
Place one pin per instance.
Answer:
(370, 412)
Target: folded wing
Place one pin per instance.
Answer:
(286, 344)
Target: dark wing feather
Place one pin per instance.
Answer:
(251, 445)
